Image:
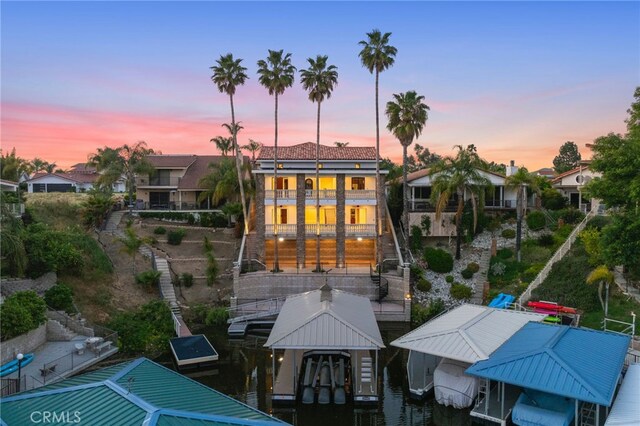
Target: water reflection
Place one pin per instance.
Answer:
(244, 372)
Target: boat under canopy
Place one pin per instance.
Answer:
(626, 407)
(465, 335)
(330, 340)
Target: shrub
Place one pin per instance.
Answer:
(536, 220)
(217, 316)
(425, 224)
(473, 267)
(148, 279)
(160, 230)
(415, 272)
(535, 254)
(449, 279)
(460, 291)
(508, 233)
(546, 240)
(553, 200)
(424, 285)
(563, 232)
(175, 237)
(498, 268)
(60, 298)
(505, 253)
(21, 312)
(186, 279)
(591, 238)
(213, 220)
(416, 238)
(571, 215)
(466, 273)
(212, 269)
(49, 250)
(532, 272)
(145, 331)
(438, 260)
(208, 247)
(598, 222)
(421, 314)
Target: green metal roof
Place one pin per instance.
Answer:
(131, 394)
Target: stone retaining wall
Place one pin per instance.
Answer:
(25, 343)
(39, 285)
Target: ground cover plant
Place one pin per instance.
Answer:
(438, 260)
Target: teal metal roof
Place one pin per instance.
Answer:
(578, 363)
(135, 393)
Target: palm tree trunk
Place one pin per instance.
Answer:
(378, 204)
(459, 223)
(405, 204)
(236, 149)
(318, 266)
(276, 265)
(519, 224)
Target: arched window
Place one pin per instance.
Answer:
(308, 184)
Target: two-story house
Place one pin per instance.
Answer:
(175, 183)
(571, 185)
(347, 218)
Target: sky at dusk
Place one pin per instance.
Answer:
(517, 79)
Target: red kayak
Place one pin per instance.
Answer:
(548, 307)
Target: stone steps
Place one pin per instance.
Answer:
(58, 332)
(114, 221)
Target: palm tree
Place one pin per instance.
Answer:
(407, 117)
(458, 176)
(50, 167)
(131, 243)
(38, 164)
(253, 147)
(276, 74)
(228, 74)
(127, 161)
(224, 145)
(319, 80)
(602, 275)
(341, 144)
(376, 56)
(519, 181)
(221, 183)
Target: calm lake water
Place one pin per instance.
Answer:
(244, 372)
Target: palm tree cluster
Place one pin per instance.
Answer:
(407, 113)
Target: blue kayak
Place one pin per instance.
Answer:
(12, 366)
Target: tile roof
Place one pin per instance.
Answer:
(584, 165)
(425, 172)
(577, 363)
(307, 151)
(80, 177)
(134, 393)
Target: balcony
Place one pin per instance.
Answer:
(158, 181)
(325, 194)
(360, 194)
(360, 230)
(283, 230)
(325, 229)
(283, 194)
(16, 209)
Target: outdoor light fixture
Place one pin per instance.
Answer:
(281, 239)
(357, 165)
(359, 238)
(407, 296)
(19, 357)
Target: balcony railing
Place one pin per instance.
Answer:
(283, 194)
(325, 229)
(284, 229)
(16, 209)
(158, 181)
(325, 194)
(360, 194)
(360, 230)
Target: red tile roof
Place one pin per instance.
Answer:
(307, 151)
(568, 173)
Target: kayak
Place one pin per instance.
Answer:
(547, 307)
(12, 366)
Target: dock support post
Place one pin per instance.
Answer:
(576, 416)
(374, 382)
(488, 397)
(295, 372)
(502, 402)
(597, 414)
(273, 370)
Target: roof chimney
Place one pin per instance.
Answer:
(325, 293)
(511, 169)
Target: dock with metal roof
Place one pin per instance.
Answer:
(140, 392)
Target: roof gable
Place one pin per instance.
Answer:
(573, 362)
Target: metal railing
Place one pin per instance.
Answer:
(158, 181)
(559, 254)
(176, 323)
(258, 308)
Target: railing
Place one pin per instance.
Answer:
(11, 386)
(158, 181)
(282, 229)
(324, 194)
(559, 254)
(360, 230)
(252, 265)
(283, 194)
(325, 229)
(395, 237)
(360, 194)
(16, 209)
(176, 323)
(256, 309)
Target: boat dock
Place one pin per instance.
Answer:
(188, 349)
(284, 387)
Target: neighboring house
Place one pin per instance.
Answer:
(571, 184)
(16, 208)
(79, 178)
(138, 392)
(347, 226)
(175, 183)
(8, 186)
(420, 204)
(547, 172)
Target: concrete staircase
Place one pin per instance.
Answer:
(481, 277)
(58, 332)
(114, 221)
(166, 286)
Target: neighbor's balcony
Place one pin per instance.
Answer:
(155, 182)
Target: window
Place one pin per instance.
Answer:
(422, 192)
(357, 215)
(160, 178)
(357, 165)
(320, 165)
(357, 183)
(283, 183)
(353, 216)
(280, 165)
(308, 184)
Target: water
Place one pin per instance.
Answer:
(244, 373)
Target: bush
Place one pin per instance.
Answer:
(498, 268)
(21, 312)
(212, 269)
(416, 238)
(415, 272)
(60, 298)
(536, 220)
(509, 233)
(449, 279)
(532, 272)
(213, 220)
(49, 250)
(535, 254)
(425, 224)
(438, 260)
(208, 247)
(571, 215)
(563, 232)
(505, 254)
(186, 279)
(175, 237)
(546, 240)
(466, 274)
(460, 291)
(424, 285)
(421, 314)
(148, 279)
(217, 316)
(145, 331)
(473, 267)
(553, 200)
(160, 230)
